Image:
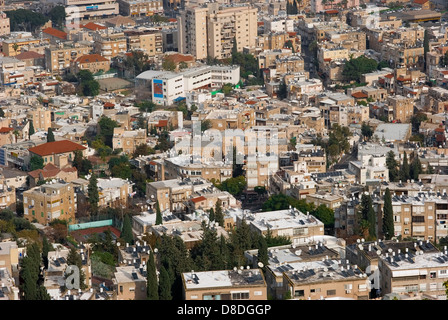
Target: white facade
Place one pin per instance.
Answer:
(278, 25)
(166, 87)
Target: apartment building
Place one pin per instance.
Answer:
(50, 201)
(403, 108)
(78, 10)
(41, 118)
(13, 46)
(171, 194)
(299, 227)
(9, 256)
(129, 283)
(192, 35)
(422, 269)
(318, 5)
(5, 27)
(140, 8)
(58, 58)
(114, 192)
(189, 231)
(210, 30)
(277, 41)
(109, 45)
(323, 280)
(165, 87)
(239, 284)
(150, 42)
(14, 72)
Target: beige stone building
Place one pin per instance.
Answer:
(109, 45)
(140, 8)
(149, 41)
(128, 140)
(41, 118)
(60, 153)
(326, 279)
(210, 30)
(5, 28)
(50, 201)
(9, 256)
(299, 227)
(130, 283)
(246, 284)
(58, 58)
(403, 108)
(421, 269)
(92, 62)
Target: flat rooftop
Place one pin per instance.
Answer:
(223, 279)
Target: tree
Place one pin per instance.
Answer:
(205, 125)
(106, 130)
(388, 216)
(159, 219)
(405, 173)
(262, 254)
(164, 285)
(211, 215)
(46, 247)
(227, 89)
(366, 131)
(25, 20)
(235, 186)
(57, 16)
(74, 258)
(282, 92)
(392, 166)
(168, 64)
(324, 214)
(126, 232)
(36, 163)
(368, 215)
(87, 85)
(416, 167)
(31, 130)
(425, 46)
(93, 194)
(219, 215)
(355, 68)
(151, 279)
(50, 135)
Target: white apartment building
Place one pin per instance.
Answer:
(78, 10)
(165, 88)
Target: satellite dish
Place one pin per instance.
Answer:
(378, 252)
(118, 244)
(260, 264)
(156, 250)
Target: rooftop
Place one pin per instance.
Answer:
(223, 279)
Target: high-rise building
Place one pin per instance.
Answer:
(211, 30)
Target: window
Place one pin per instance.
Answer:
(240, 296)
(432, 275)
(331, 292)
(299, 293)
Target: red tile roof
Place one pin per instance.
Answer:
(89, 58)
(56, 147)
(178, 57)
(93, 26)
(420, 1)
(6, 129)
(162, 123)
(55, 33)
(198, 199)
(359, 95)
(29, 55)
